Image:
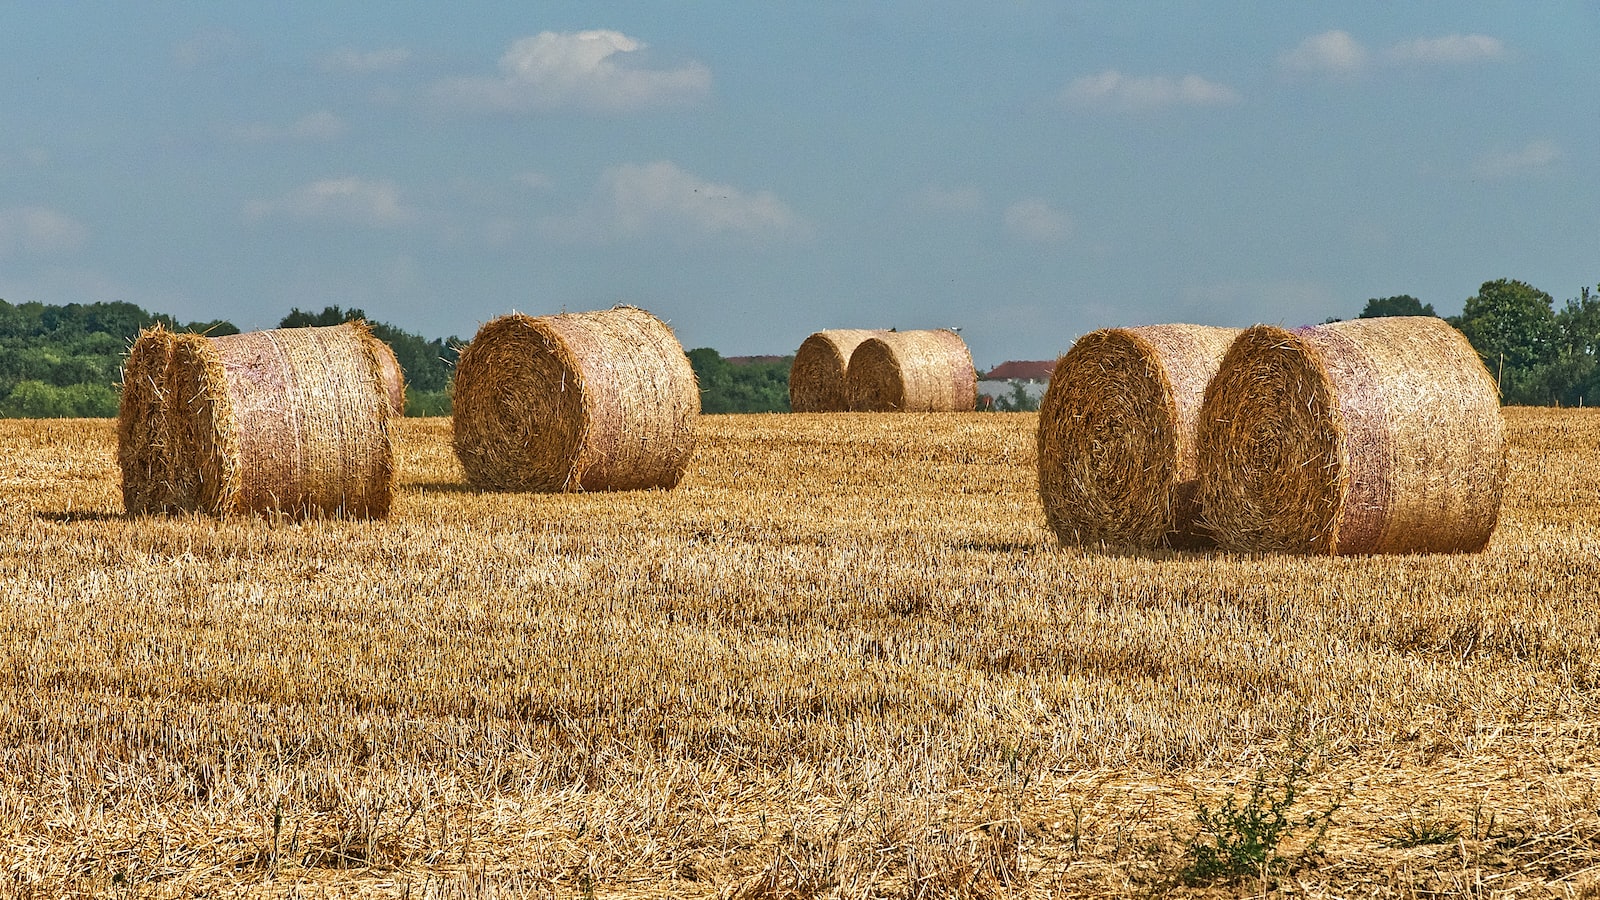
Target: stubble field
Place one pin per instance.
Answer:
(843, 659)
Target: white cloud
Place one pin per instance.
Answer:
(354, 201)
(209, 46)
(935, 198)
(38, 230)
(582, 70)
(1450, 49)
(1035, 220)
(318, 126)
(1537, 156)
(660, 197)
(1334, 52)
(351, 61)
(1337, 53)
(1112, 88)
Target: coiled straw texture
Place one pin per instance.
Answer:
(817, 375)
(912, 371)
(594, 401)
(1371, 436)
(1116, 440)
(294, 421)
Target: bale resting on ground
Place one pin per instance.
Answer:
(912, 371)
(1116, 451)
(293, 421)
(1371, 436)
(590, 401)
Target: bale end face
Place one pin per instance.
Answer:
(1373, 436)
(1116, 436)
(912, 371)
(293, 421)
(575, 402)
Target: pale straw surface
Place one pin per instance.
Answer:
(817, 375)
(1371, 436)
(912, 371)
(293, 421)
(594, 401)
(1116, 447)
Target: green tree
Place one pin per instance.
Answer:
(1513, 327)
(1400, 305)
(725, 387)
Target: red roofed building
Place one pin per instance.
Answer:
(1025, 370)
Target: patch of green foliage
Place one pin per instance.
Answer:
(745, 387)
(1245, 838)
(66, 361)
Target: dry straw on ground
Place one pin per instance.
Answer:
(1116, 435)
(293, 421)
(817, 375)
(394, 377)
(575, 402)
(912, 371)
(1372, 436)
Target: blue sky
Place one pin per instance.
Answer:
(1027, 171)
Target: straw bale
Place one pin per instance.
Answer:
(912, 371)
(1372, 436)
(394, 377)
(593, 401)
(817, 375)
(293, 421)
(1116, 451)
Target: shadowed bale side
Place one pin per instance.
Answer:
(1116, 439)
(595, 401)
(293, 421)
(1372, 436)
(912, 371)
(817, 375)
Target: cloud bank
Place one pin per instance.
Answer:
(586, 70)
(1111, 88)
(1036, 221)
(39, 230)
(1339, 53)
(660, 197)
(352, 201)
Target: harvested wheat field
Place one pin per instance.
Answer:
(843, 659)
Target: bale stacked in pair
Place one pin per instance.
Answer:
(293, 421)
(575, 402)
(817, 375)
(912, 371)
(1371, 436)
(1116, 440)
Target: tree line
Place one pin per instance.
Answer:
(1539, 354)
(66, 361)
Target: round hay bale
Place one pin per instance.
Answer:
(1116, 440)
(293, 421)
(1373, 436)
(817, 375)
(594, 401)
(912, 371)
(394, 377)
